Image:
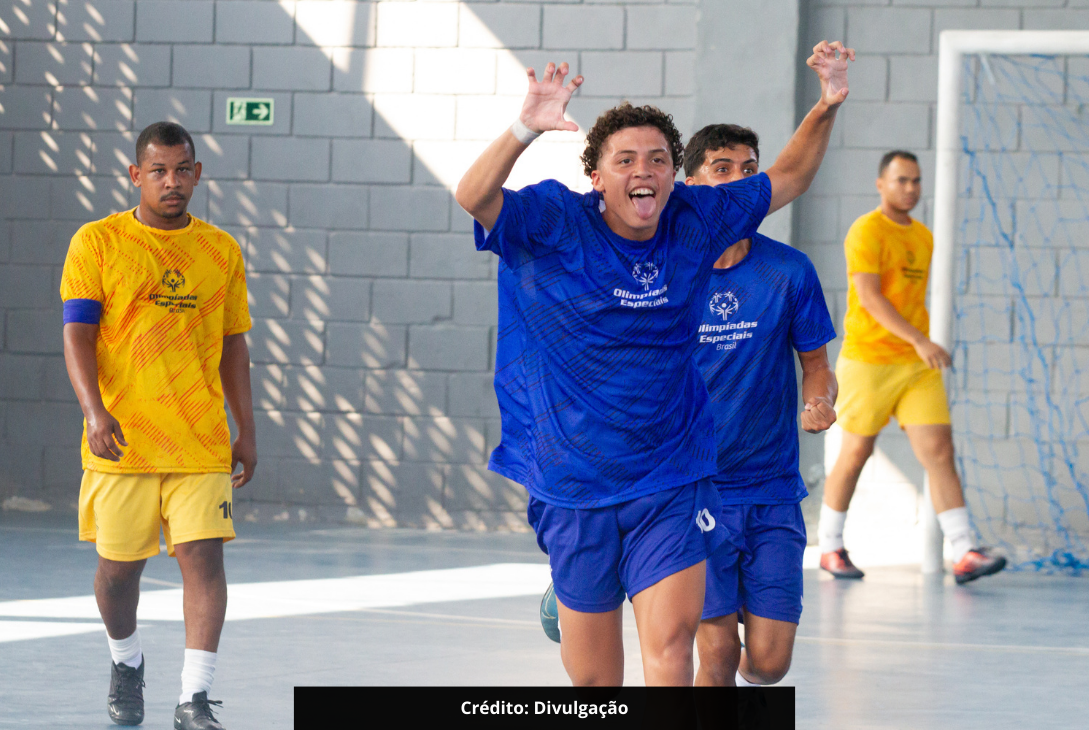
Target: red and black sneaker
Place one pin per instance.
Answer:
(838, 564)
(977, 563)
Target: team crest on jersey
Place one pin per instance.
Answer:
(173, 302)
(172, 279)
(724, 303)
(911, 257)
(645, 273)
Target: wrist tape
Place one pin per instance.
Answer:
(522, 133)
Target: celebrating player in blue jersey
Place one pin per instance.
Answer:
(764, 302)
(605, 416)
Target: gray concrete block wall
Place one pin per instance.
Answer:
(1003, 391)
(373, 342)
(374, 315)
(896, 73)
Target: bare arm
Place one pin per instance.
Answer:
(104, 436)
(480, 191)
(868, 287)
(799, 161)
(234, 371)
(819, 390)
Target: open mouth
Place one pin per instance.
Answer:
(643, 200)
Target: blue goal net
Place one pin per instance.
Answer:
(1020, 388)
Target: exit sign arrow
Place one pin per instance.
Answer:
(249, 111)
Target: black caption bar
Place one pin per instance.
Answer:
(660, 708)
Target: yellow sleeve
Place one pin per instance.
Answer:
(82, 275)
(863, 250)
(236, 308)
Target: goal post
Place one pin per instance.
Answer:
(953, 46)
(956, 47)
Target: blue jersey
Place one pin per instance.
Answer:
(755, 315)
(599, 395)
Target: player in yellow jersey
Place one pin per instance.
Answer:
(889, 367)
(154, 315)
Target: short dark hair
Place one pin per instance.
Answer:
(623, 117)
(888, 157)
(167, 134)
(717, 137)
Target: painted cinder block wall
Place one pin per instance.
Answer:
(374, 317)
(892, 105)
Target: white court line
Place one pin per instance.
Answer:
(326, 595)
(915, 645)
(22, 630)
(873, 554)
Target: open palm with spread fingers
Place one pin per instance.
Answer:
(547, 100)
(829, 60)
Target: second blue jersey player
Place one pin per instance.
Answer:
(763, 304)
(605, 416)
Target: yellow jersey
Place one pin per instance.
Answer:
(164, 301)
(900, 254)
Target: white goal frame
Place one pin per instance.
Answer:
(953, 46)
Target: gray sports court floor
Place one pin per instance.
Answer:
(316, 605)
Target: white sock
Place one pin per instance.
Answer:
(740, 681)
(957, 530)
(197, 673)
(126, 651)
(830, 529)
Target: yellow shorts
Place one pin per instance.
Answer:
(869, 394)
(122, 513)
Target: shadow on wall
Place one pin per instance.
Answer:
(374, 317)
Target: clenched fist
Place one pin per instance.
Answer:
(818, 415)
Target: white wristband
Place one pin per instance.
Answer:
(522, 133)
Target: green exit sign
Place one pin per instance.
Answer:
(249, 111)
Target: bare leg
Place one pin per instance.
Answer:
(667, 615)
(933, 447)
(592, 646)
(117, 590)
(720, 651)
(769, 647)
(840, 485)
(205, 592)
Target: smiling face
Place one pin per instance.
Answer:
(635, 176)
(726, 165)
(166, 177)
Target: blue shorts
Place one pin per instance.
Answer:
(759, 567)
(599, 555)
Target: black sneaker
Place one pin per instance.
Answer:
(197, 715)
(126, 699)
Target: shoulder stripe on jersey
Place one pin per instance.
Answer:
(84, 311)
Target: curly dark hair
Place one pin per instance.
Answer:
(716, 137)
(622, 117)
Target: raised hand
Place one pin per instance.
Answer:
(829, 60)
(547, 100)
